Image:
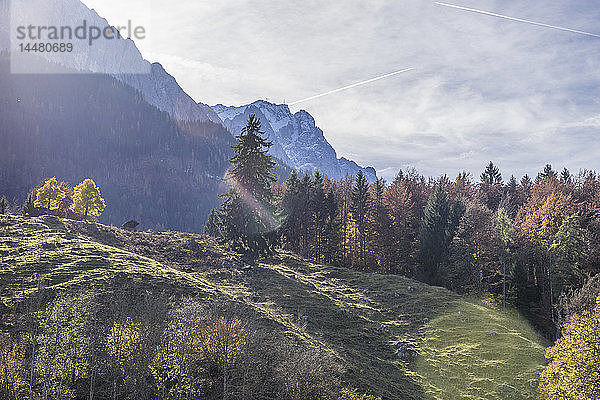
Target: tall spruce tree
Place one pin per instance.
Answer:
(319, 216)
(28, 208)
(565, 176)
(359, 209)
(433, 238)
(548, 172)
(297, 213)
(512, 185)
(505, 228)
(457, 210)
(4, 205)
(333, 232)
(526, 186)
(491, 175)
(246, 215)
(213, 223)
(382, 237)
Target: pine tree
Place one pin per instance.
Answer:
(547, 173)
(4, 205)
(473, 252)
(359, 209)
(382, 235)
(512, 185)
(213, 222)
(569, 249)
(433, 239)
(331, 250)
(491, 175)
(29, 207)
(526, 184)
(297, 211)
(505, 235)
(565, 176)
(457, 210)
(87, 199)
(247, 213)
(319, 216)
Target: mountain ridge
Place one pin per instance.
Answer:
(297, 140)
(302, 147)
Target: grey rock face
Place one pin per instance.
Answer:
(297, 141)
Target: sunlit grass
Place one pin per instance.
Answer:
(395, 337)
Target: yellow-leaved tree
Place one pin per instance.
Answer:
(49, 195)
(573, 372)
(87, 199)
(125, 346)
(13, 375)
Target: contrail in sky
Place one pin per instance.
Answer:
(560, 28)
(351, 86)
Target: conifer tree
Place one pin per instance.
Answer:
(213, 223)
(382, 236)
(4, 205)
(359, 209)
(548, 172)
(246, 214)
(473, 256)
(565, 176)
(569, 248)
(512, 185)
(405, 200)
(297, 211)
(491, 175)
(433, 238)
(505, 235)
(457, 210)
(526, 185)
(331, 249)
(29, 207)
(319, 216)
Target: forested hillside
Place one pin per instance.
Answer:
(164, 173)
(521, 243)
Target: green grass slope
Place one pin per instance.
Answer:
(394, 337)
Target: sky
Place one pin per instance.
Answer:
(482, 88)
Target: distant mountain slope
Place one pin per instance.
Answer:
(299, 143)
(164, 173)
(120, 58)
(297, 140)
(395, 337)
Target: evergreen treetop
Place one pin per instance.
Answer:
(491, 175)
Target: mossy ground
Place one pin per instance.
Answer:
(395, 337)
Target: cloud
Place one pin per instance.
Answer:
(483, 88)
